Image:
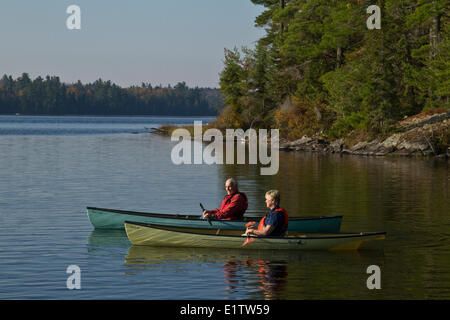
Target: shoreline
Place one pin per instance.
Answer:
(424, 134)
(419, 135)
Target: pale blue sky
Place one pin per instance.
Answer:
(127, 42)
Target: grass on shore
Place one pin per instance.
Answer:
(168, 129)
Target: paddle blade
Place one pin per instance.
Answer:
(247, 241)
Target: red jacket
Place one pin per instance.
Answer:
(232, 207)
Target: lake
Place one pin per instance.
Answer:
(51, 168)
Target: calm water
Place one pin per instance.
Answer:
(51, 168)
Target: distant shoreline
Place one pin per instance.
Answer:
(106, 115)
(50, 96)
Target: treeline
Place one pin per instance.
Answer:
(52, 97)
(319, 69)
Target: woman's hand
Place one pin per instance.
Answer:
(249, 231)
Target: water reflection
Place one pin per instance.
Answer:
(234, 273)
(104, 237)
(271, 276)
(265, 274)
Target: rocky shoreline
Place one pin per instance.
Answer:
(420, 135)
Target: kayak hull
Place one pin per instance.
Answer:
(102, 218)
(160, 236)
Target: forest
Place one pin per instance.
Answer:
(50, 96)
(320, 70)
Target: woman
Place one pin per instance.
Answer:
(275, 223)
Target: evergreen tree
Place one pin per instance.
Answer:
(320, 69)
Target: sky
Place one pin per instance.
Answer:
(128, 42)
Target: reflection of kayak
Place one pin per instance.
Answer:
(114, 219)
(163, 236)
(103, 238)
(148, 255)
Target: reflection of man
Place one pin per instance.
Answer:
(233, 205)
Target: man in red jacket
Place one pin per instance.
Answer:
(233, 205)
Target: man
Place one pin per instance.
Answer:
(275, 222)
(233, 205)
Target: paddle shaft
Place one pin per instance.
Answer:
(207, 217)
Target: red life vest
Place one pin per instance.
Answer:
(286, 219)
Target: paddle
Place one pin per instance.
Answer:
(249, 238)
(209, 220)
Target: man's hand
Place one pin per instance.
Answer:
(206, 214)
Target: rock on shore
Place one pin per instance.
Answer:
(416, 135)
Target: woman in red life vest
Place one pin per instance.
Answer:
(233, 205)
(275, 223)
